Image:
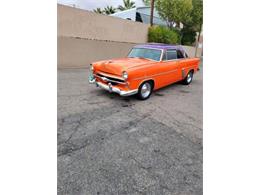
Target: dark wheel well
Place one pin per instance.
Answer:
(185, 81)
(192, 70)
(150, 81)
(139, 95)
(186, 74)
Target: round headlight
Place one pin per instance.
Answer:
(125, 75)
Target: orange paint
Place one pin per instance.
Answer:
(162, 72)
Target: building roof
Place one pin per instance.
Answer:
(159, 46)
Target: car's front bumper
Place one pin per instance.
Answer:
(109, 87)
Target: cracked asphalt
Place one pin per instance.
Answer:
(109, 144)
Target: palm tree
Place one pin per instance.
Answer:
(151, 16)
(128, 4)
(109, 10)
(98, 10)
(151, 4)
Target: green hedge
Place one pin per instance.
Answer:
(160, 34)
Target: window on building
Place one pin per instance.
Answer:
(138, 17)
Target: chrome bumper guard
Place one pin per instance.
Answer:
(109, 87)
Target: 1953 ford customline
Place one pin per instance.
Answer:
(146, 68)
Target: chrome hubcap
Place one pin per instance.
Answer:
(146, 90)
(189, 77)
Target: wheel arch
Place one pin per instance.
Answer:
(147, 80)
(186, 72)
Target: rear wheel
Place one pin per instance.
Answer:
(145, 90)
(188, 78)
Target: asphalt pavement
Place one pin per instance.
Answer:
(109, 144)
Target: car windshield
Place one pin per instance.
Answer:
(152, 54)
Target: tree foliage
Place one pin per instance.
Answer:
(188, 35)
(194, 25)
(109, 10)
(174, 11)
(128, 4)
(197, 15)
(147, 2)
(161, 34)
(189, 13)
(98, 10)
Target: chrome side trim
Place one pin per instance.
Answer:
(110, 88)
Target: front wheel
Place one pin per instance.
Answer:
(145, 90)
(188, 78)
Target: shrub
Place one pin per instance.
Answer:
(160, 34)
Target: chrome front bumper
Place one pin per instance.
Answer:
(109, 87)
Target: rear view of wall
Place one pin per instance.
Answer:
(85, 37)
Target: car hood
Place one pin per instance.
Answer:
(117, 66)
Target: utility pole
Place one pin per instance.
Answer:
(151, 15)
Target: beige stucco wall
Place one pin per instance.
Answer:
(191, 51)
(79, 53)
(74, 22)
(85, 37)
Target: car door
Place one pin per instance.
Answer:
(171, 66)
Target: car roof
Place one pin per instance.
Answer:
(159, 46)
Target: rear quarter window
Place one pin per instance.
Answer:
(179, 54)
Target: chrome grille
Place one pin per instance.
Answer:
(110, 79)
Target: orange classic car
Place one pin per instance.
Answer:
(147, 67)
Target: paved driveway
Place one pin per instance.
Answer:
(109, 144)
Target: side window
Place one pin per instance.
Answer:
(179, 54)
(171, 54)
